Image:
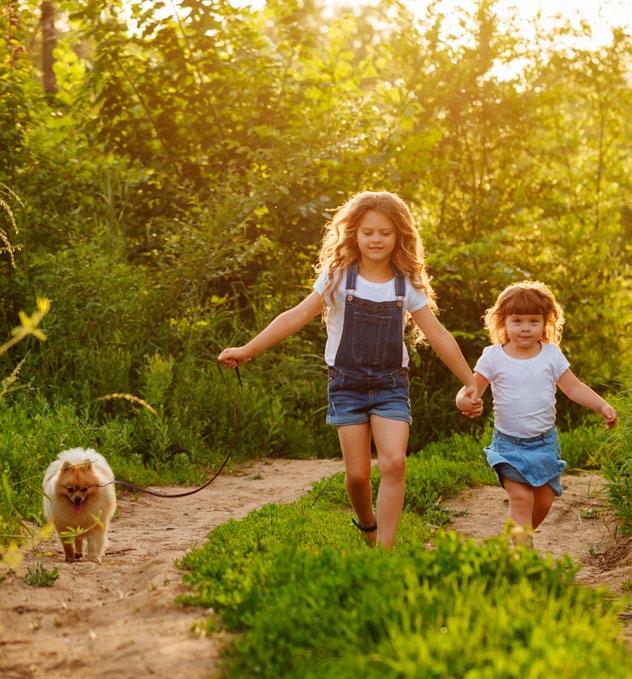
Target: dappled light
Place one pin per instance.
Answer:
(167, 170)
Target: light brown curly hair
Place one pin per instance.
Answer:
(340, 245)
(525, 298)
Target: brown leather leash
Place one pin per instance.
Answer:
(155, 493)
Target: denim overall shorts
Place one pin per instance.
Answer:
(367, 377)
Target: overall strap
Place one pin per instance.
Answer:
(400, 288)
(351, 279)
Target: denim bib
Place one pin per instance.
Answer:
(370, 351)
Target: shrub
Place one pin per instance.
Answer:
(616, 460)
(314, 603)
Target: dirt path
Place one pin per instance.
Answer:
(579, 525)
(118, 619)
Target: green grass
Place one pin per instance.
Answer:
(310, 600)
(40, 576)
(583, 446)
(616, 462)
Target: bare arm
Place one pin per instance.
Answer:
(444, 345)
(466, 405)
(284, 325)
(581, 393)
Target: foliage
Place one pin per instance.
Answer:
(325, 605)
(172, 196)
(616, 461)
(199, 155)
(28, 325)
(40, 576)
(10, 510)
(584, 446)
(6, 195)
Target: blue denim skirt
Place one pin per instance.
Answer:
(535, 461)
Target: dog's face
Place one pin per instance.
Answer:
(77, 483)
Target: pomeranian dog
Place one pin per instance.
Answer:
(77, 502)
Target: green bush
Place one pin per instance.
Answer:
(100, 323)
(314, 602)
(616, 461)
(582, 446)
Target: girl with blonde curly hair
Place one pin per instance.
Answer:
(524, 365)
(372, 277)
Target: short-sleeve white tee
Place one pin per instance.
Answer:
(375, 292)
(523, 389)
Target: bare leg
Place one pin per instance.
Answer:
(355, 443)
(543, 497)
(391, 441)
(521, 501)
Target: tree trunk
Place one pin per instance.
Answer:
(49, 41)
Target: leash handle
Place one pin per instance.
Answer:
(228, 389)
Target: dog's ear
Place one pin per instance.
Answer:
(66, 465)
(87, 464)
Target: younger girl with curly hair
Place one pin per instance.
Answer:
(372, 277)
(523, 365)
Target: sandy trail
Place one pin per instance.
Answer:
(118, 619)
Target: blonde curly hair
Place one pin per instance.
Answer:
(525, 298)
(340, 249)
(340, 245)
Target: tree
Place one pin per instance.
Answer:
(49, 42)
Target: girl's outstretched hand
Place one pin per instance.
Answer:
(233, 356)
(609, 415)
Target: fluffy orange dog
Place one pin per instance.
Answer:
(76, 503)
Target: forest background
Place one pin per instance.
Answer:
(165, 177)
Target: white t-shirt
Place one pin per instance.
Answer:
(375, 292)
(523, 388)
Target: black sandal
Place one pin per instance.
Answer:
(364, 529)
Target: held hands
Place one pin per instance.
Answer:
(609, 415)
(233, 357)
(469, 402)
